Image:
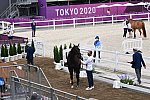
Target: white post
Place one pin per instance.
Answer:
(74, 22)
(148, 16)
(96, 58)
(116, 61)
(93, 21)
(130, 16)
(13, 26)
(54, 24)
(112, 19)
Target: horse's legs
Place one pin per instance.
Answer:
(77, 70)
(140, 32)
(134, 33)
(71, 76)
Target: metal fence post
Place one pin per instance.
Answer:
(12, 86)
(51, 93)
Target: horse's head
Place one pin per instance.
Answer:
(129, 20)
(75, 50)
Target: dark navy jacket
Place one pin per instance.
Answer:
(30, 52)
(137, 60)
(33, 25)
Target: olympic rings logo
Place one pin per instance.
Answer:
(147, 6)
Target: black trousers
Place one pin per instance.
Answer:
(33, 32)
(30, 61)
(125, 32)
(138, 74)
(90, 78)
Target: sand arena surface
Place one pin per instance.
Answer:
(110, 36)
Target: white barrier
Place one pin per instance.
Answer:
(129, 44)
(112, 60)
(76, 21)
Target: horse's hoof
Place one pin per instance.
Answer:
(70, 82)
(72, 86)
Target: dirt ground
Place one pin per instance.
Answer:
(102, 91)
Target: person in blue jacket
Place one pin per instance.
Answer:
(30, 52)
(97, 44)
(137, 63)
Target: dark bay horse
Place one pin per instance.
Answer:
(137, 24)
(74, 63)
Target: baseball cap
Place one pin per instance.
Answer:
(97, 37)
(134, 49)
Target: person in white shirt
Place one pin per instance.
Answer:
(89, 69)
(129, 29)
(125, 27)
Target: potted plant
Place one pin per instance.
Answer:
(11, 53)
(15, 51)
(6, 53)
(19, 51)
(56, 55)
(32, 45)
(2, 52)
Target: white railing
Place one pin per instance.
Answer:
(129, 44)
(112, 60)
(81, 21)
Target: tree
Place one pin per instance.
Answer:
(32, 45)
(6, 51)
(70, 46)
(26, 46)
(56, 54)
(11, 53)
(19, 48)
(14, 49)
(65, 46)
(2, 51)
(61, 52)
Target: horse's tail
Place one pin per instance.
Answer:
(144, 30)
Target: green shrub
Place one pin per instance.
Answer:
(70, 46)
(14, 49)
(19, 48)
(65, 46)
(2, 51)
(32, 45)
(26, 46)
(11, 53)
(6, 51)
(61, 52)
(56, 54)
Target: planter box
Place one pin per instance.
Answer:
(11, 58)
(19, 56)
(16, 57)
(6, 59)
